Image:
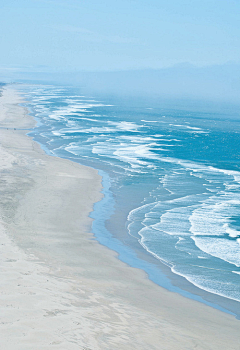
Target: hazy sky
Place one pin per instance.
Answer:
(118, 34)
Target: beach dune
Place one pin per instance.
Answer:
(61, 289)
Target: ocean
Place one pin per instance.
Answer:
(171, 181)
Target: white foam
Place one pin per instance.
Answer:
(134, 154)
(149, 121)
(130, 155)
(137, 139)
(166, 140)
(211, 285)
(232, 232)
(207, 170)
(190, 128)
(224, 249)
(213, 216)
(93, 130)
(89, 119)
(138, 212)
(126, 126)
(175, 222)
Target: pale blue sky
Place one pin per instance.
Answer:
(113, 35)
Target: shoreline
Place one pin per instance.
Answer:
(112, 233)
(161, 274)
(133, 254)
(81, 295)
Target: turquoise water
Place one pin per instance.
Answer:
(173, 173)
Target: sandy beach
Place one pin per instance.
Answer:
(61, 289)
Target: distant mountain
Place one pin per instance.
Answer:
(185, 81)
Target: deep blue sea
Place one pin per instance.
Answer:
(171, 176)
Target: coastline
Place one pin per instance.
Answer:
(130, 251)
(62, 289)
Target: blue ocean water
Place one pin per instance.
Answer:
(173, 174)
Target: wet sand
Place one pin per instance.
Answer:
(60, 289)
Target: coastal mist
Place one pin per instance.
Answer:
(171, 175)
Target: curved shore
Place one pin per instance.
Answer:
(60, 288)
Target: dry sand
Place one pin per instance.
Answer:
(60, 289)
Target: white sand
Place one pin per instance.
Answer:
(60, 289)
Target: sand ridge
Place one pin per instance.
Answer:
(60, 289)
